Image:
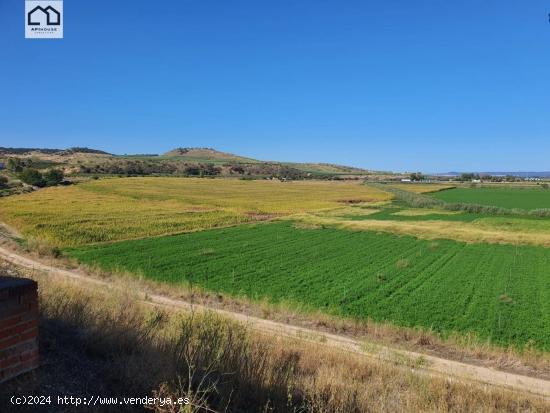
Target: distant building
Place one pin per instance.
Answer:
(406, 180)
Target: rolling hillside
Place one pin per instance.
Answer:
(98, 162)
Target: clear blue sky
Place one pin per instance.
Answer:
(388, 84)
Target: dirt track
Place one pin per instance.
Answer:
(421, 363)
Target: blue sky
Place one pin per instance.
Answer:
(388, 84)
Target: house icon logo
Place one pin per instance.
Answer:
(44, 19)
(53, 17)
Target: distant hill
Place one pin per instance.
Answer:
(543, 174)
(212, 155)
(327, 168)
(206, 155)
(47, 151)
(182, 161)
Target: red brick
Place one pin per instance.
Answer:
(7, 343)
(10, 305)
(18, 329)
(28, 355)
(10, 361)
(10, 321)
(14, 310)
(19, 348)
(28, 297)
(18, 326)
(20, 368)
(10, 341)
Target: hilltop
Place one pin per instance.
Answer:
(206, 155)
(49, 151)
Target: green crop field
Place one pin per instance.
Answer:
(505, 197)
(499, 292)
(396, 213)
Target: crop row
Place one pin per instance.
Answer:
(499, 292)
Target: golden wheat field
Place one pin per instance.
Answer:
(421, 188)
(116, 209)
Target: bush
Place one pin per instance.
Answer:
(53, 177)
(32, 177)
(3, 182)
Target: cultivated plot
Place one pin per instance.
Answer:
(115, 209)
(526, 198)
(499, 292)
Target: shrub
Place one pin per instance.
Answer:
(53, 177)
(32, 177)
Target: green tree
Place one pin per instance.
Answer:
(468, 177)
(15, 165)
(32, 177)
(3, 182)
(417, 176)
(53, 177)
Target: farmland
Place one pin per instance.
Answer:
(499, 292)
(342, 248)
(421, 188)
(116, 209)
(433, 223)
(526, 198)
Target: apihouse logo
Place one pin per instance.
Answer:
(44, 19)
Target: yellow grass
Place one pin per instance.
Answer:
(420, 212)
(115, 209)
(421, 188)
(436, 229)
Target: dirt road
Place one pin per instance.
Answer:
(420, 363)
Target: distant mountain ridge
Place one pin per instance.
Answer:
(540, 174)
(48, 151)
(204, 156)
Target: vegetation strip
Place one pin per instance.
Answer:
(472, 205)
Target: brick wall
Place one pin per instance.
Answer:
(18, 326)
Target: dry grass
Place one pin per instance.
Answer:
(135, 350)
(422, 188)
(487, 231)
(456, 230)
(420, 212)
(115, 209)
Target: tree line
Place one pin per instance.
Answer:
(32, 176)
